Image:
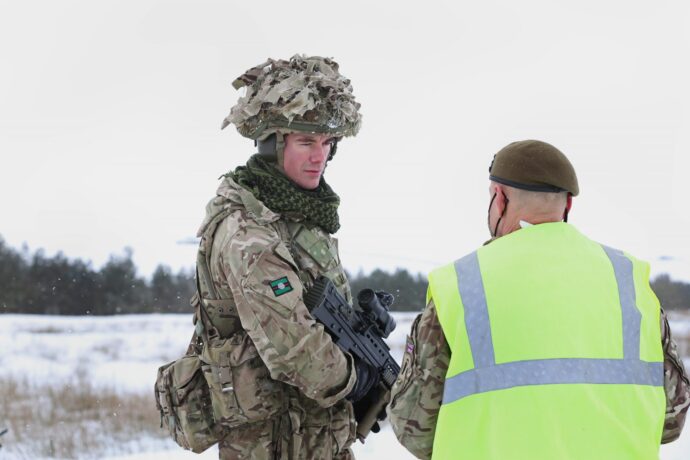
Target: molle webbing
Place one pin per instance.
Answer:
(487, 375)
(213, 316)
(297, 234)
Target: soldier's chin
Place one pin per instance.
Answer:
(311, 181)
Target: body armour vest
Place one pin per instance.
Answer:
(241, 240)
(555, 351)
(314, 252)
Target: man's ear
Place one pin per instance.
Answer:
(568, 205)
(501, 199)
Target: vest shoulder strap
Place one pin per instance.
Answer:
(206, 296)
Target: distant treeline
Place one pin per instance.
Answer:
(35, 283)
(673, 295)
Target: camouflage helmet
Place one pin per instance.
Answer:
(534, 165)
(301, 94)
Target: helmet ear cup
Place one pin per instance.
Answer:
(272, 147)
(267, 148)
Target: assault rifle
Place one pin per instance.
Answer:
(359, 332)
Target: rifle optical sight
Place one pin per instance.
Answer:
(375, 306)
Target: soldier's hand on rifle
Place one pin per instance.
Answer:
(367, 377)
(375, 428)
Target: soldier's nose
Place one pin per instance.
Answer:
(320, 153)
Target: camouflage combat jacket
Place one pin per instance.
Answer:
(288, 377)
(417, 394)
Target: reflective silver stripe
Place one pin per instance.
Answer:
(553, 372)
(489, 376)
(471, 288)
(623, 269)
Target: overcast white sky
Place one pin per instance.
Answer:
(110, 114)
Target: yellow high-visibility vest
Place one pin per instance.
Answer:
(555, 351)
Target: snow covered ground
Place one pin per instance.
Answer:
(122, 353)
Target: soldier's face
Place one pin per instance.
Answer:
(304, 158)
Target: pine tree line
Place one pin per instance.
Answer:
(35, 283)
(409, 290)
(673, 295)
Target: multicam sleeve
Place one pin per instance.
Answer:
(417, 393)
(269, 297)
(676, 386)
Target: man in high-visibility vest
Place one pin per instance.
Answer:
(542, 344)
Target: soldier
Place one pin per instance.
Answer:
(277, 381)
(542, 343)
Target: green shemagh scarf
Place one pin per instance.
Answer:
(281, 195)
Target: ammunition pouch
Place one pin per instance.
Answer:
(184, 403)
(241, 389)
(222, 317)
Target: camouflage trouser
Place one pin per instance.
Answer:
(276, 439)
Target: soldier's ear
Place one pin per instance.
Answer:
(568, 205)
(501, 199)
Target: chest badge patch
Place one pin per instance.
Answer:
(281, 286)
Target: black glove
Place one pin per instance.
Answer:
(375, 428)
(362, 406)
(367, 377)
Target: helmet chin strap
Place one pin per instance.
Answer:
(334, 148)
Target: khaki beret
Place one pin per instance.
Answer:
(534, 165)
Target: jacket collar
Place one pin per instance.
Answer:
(231, 194)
